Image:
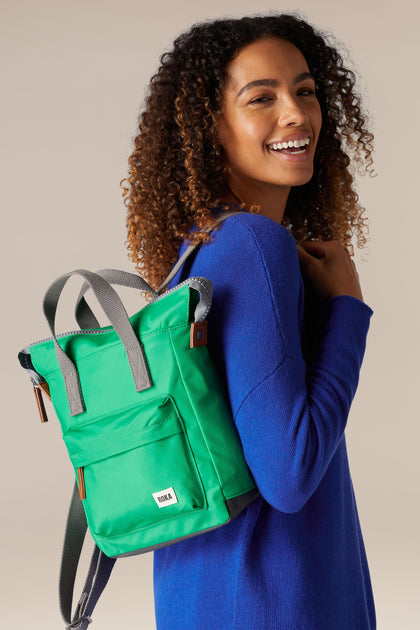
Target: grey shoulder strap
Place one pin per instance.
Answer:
(190, 249)
(98, 574)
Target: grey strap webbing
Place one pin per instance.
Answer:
(84, 316)
(98, 575)
(117, 315)
(73, 543)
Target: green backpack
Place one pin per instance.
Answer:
(146, 423)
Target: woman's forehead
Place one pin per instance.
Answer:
(269, 60)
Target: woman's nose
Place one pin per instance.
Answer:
(290, 113)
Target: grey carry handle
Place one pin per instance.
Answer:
(84, 315)
(86, 319)
(117, 315)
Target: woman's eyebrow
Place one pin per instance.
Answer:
(257, 83)
(303, 76)
(272, 82)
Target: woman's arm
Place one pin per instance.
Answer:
(290, 416)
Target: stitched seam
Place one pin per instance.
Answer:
(251, 233)
(251, 391)
(199, 425)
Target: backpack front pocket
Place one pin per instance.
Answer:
(138, 469)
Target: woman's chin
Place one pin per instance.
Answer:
(300, 179)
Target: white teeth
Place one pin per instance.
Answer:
(278, 146)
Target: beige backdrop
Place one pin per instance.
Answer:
(73, 78)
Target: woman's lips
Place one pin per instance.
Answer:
(295, 154)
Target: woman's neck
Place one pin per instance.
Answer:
(272, 201)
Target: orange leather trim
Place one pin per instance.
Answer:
(198, 336)
(82, 488)
(40, 404)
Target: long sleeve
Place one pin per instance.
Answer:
(291, 417)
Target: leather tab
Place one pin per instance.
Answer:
(45, 389)
(40, 404)
(81, 479)
(198, 336)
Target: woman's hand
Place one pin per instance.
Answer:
(329, 268)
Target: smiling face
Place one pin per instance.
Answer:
(270, 123)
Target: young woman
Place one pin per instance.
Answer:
(260, 115)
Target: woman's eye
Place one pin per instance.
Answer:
(260, 99)
(306, 92)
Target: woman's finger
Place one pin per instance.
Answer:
(326, 265)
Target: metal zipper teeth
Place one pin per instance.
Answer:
(106, 329)
(84, 331)
(178, 286)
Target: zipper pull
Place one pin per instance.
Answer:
(38, 388)
(81, 480)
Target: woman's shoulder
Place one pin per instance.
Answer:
(247, 253)
(257, 224)
(247, 236)
(253, 263)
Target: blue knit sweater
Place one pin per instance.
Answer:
(294, 559)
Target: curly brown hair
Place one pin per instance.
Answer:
(177, 170)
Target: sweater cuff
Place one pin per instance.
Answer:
(345, 318)
(348, 306)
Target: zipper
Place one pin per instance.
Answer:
(71, 332)
(178, 286)
(105, 329)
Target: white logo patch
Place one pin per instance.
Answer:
(165, 497)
